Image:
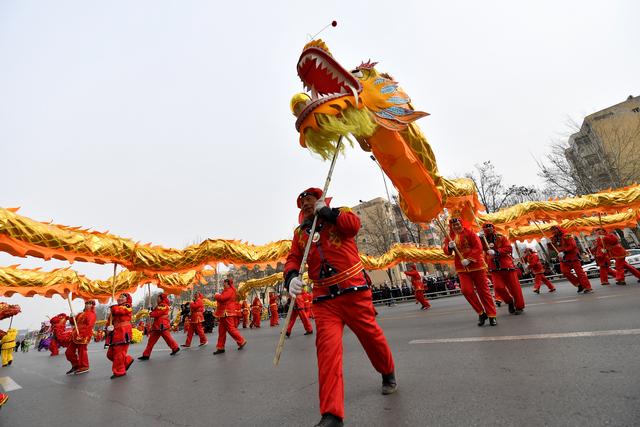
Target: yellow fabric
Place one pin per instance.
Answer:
(136, 336)
(7, 356)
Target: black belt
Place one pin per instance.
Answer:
(336, 293)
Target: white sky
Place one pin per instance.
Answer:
(169, 121)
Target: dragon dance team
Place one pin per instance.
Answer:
(341, 296)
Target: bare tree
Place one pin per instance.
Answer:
(491, 191)
(376, 236)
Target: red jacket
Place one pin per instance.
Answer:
(245, 308)
(469, 246)
(58, 327)
(85, 321)
(613, 246)
(535, 265)
(273, 301)
(160, 316)
(335, 248)
(601, 253)
(503, 259)
(226, 303)
(256, 306)
(416, 280)
(121, 321)
(567, 244)
(196, 310)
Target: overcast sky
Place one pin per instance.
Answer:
(169, 122)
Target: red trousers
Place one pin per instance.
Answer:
(228, 324)
(580, 278)
(475, 288)
(53, 347)
(605, 272)
(621, 266)
(539, 279)
(77, 355)
(118, 355)
(196, 327)
(245, 320)
(356, 311)
(255, 319)
(274, 316)
(153, 338)
(421, 299)
(507, 286)
(303, 317)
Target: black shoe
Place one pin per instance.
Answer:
(587, 291)
(498, 303)
(605, 284)
(552, 290)
(517, 312)
(389, 384)
(184, 345)
(143, 358)
(493, 321)
(330, 420)
(174, 352)
(129, 365)
(288, 334)
(202, 344)
(512, 308)
(536, 291)
(580, 288)
(117, 376)
(241, 346)
(309, 333)
(218, 351)
(70, 371)
(621, 283)
(482, 318)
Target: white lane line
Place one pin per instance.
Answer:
(609, 296)
(562, 302)
(8, 384)
(105, 350)
(531, 337)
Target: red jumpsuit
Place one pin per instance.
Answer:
(418, 287)
(245, 313)
(299, 311)
(160, 326)
(538, 271)
(603, 261)
(61, 337)
(196, 318)
(273, 310)
(566, 244)
(341, 296)
(504, 273)
(77, 349)
(226, 314)
(256, 312)
(473, 278)
(613, 246)
(118, 340)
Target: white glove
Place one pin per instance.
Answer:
(452, 244)
(481, 233)
(295, 287)
(604, 251)
(491, 252)
(110, 328)
(466, 262)
(560, 255)
(319, 205)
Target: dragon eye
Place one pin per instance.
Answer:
(357, 73)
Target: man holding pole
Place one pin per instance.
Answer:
(471, 269)
(565, 245)
(613, 247)
(160, 328)
(226, 313)
(536, 268)
(80, 337)
(273, 309)
(256, 312)
(341, 296)
(195, 321)
(418, 287)
(119, 336)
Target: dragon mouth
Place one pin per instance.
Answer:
(324, 79)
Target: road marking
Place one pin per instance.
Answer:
(8, 384)
(104, 350)
(531, 337)
(609, 296)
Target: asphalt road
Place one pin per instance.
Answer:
(530, 370)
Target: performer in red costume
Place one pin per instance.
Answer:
(603, 258)
(3, 399)
(535, 266)
(471, 270)
(196, 318)
(418, 287)
(503, 271)
(299, 311)
(341, 296)
(119, 336)
(273, 309)
(245, 313)
(61, 337)
(160, 328)
(226, 314)
(77, 349)
(256, 312)
(614, 248)
(569, 256)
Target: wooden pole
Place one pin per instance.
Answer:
(445, 234)
(73, 316)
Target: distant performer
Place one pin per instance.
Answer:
(226, 314)
(195, 321)
(119, 336)
(569, 257)
(256, 312)
(418, 286)
(77, 349)
(161, 327)
(537, 269)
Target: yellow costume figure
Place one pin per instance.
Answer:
(8, 343)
